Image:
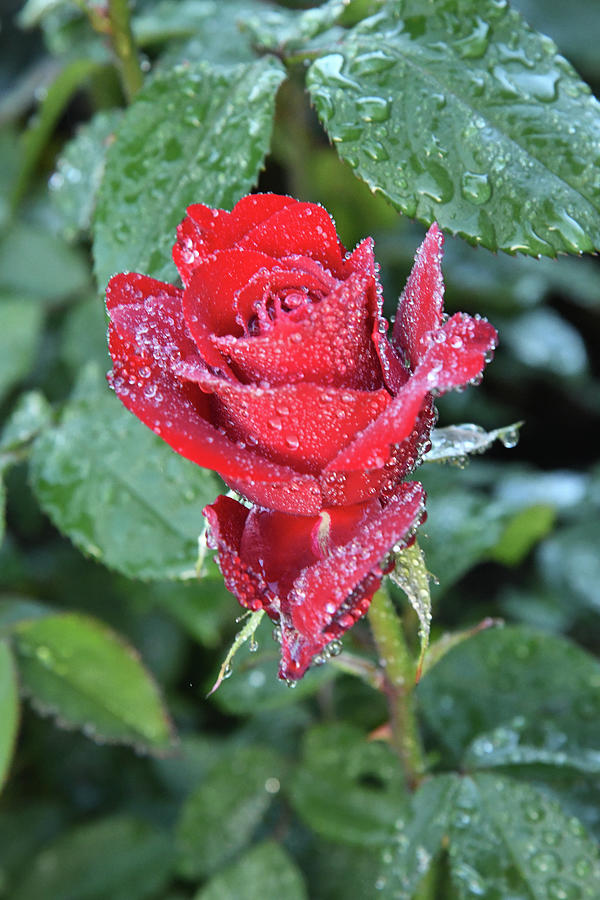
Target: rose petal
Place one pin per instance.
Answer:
(148, 314)
(455, 357)
(281, 546)
(305, 229)
(227, 519)
(301, 425)
(421, 303)
(181, 414)
(206, 230)
(338, 330)
(209, 301)
(329, 596)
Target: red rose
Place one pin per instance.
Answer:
(272, 367)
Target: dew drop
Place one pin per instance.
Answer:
(475, 187)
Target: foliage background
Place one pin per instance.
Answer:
(131, 783)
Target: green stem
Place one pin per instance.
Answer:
(399, 683)
(124, 47)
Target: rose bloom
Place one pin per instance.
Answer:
(273, 366)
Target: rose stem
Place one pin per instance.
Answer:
(124, 46)
(398, 684)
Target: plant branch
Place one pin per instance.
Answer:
(124, 47)
(399, 682)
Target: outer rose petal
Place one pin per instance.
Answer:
(331, 595)
(328, 342)
(301, 425)
(227, 519)
(305, 229)
(421, 303)
(455, 355)
(148, 314)
(315, 576)
(144, 346)
(206, 230)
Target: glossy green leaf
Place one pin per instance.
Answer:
(76, 180)
(418, 837)
(572, 26)
(36, 263)
(84, 335)
(507, 839)
(19, 336)
(76, 669)
(221, 815)
(192, 135)
(119, 492)
(348, 789)
(217, 37)
(285, 29)
(9, 709)
(265, 871)
(504, 839)
(463, 115)
(541, 687)
(121, 857)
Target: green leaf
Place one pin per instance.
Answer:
(83, 339)
(565, 23)
(119, 857)
(540, 687)
(348, 789)
(75, 183)
(36, 263)
(9, 709)
(222, 814)
(33, 11)
(504, 839)
(84, 674)
(411, 576)
(455, 442)
(282, 30)
(119, 492)
(418, 837)
(192, 135)
(463, 115)
(21, 329)
(31, 414)
(14, 609)
(217, 37)
(542, 339)
(522, 533)
(202, 608)
(510, 840)
(265, 871)
(570, 563)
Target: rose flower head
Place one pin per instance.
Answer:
(274, 367)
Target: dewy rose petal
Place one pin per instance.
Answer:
(272, 366)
